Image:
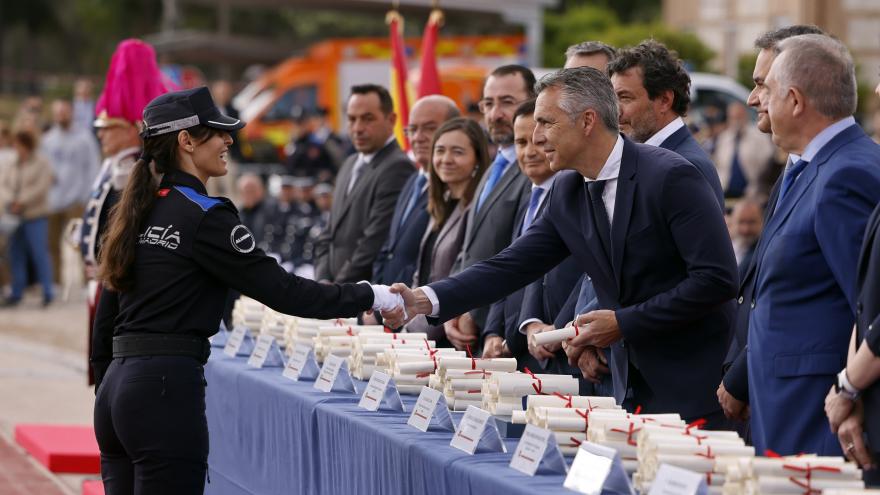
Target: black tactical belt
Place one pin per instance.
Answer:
(161, 345)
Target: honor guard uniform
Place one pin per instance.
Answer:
(151, 338)
(133, 79)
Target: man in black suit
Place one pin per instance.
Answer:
(646, 227)
(653, 90)
(397, 257)
(501, 192)
(504, 315)
(366, 190)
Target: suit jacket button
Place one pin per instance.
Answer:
(740, 300)
(753, 304)
(870, 327)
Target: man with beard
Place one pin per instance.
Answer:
(502, 190)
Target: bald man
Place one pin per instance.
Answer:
(397, 258)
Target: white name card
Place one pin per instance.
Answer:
(334, 375)
(236, 339)
(430, 403)
(302, 364)
(477, 429)
(381, 390)
(537, 446)
(266, 353)
(672, 480)
(597, 470)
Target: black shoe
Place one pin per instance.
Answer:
(47, 301)
(9, 302)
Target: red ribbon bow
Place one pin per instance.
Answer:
(629, 433)
(537, 386)
(471, 355)
(566, 398)
(708, 454)
(575, 441)
(808, 475)
(586, 416)
(431, 353)
(349, 332)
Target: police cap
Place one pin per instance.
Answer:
(184, 109)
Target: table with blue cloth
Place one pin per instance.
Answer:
(270, 436)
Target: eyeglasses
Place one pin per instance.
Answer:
(429, 129)
(505, 104)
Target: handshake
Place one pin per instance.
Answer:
(399, 304)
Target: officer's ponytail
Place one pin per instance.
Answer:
(128, 215)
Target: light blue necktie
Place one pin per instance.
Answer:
(537, 192)
(498, 167)
(791, 173)
(414, 197)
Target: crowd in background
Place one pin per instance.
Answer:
(359, 207)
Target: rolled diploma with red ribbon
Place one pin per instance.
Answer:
(582, 402)
(521, 384)
(801, 485)
(518, 417)
(819, 467)
(457, 384)
(326, 331)
(497, 364)
(555, 336)
(413, 367)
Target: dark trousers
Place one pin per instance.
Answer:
(151, 426)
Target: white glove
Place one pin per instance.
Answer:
(384, 300)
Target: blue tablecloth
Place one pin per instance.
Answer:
(270, 435)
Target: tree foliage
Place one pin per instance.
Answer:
(591, 22)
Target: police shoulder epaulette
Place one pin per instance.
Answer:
(204, 202)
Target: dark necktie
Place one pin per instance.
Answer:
(414, 196)
(791, 173)
(533, 208)
(600, 215)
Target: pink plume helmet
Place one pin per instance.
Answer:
(133, 80)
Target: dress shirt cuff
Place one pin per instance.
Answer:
(383, 299)
(523, 325)
(435, 303)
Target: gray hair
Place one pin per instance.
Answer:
(823, 69)
(585, 48)
(582, 88)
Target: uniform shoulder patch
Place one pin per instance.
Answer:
(242, 240)
(204, 202)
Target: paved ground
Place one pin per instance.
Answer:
(42, 380)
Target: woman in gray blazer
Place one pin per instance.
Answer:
(459, 159)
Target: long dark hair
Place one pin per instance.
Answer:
(127, 216)
(438, 206)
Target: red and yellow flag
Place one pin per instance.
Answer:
(399, 83)
(429, 80)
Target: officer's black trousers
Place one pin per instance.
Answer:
(151, 427)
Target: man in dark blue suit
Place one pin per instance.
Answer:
(504, 315)
(653, 90)
(646, 227)
(397, 258)
(733, 392)
(804, 302)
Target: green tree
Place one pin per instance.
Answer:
(601, 23)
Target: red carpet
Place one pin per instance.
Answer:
(61, 448)
(93, 487)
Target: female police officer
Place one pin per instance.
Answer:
(168, 257)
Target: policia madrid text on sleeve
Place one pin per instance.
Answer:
(168, 258)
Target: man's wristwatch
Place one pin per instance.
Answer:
(844, 388)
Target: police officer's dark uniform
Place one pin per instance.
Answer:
(151, 341)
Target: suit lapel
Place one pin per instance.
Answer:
(510, 174)
(366, 173)
(768, 215)
(626, 187)
(341, 183)
(395, 219)
(674, 140)
(588, 230)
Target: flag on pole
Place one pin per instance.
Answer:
(399, 92)
(429, 80)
